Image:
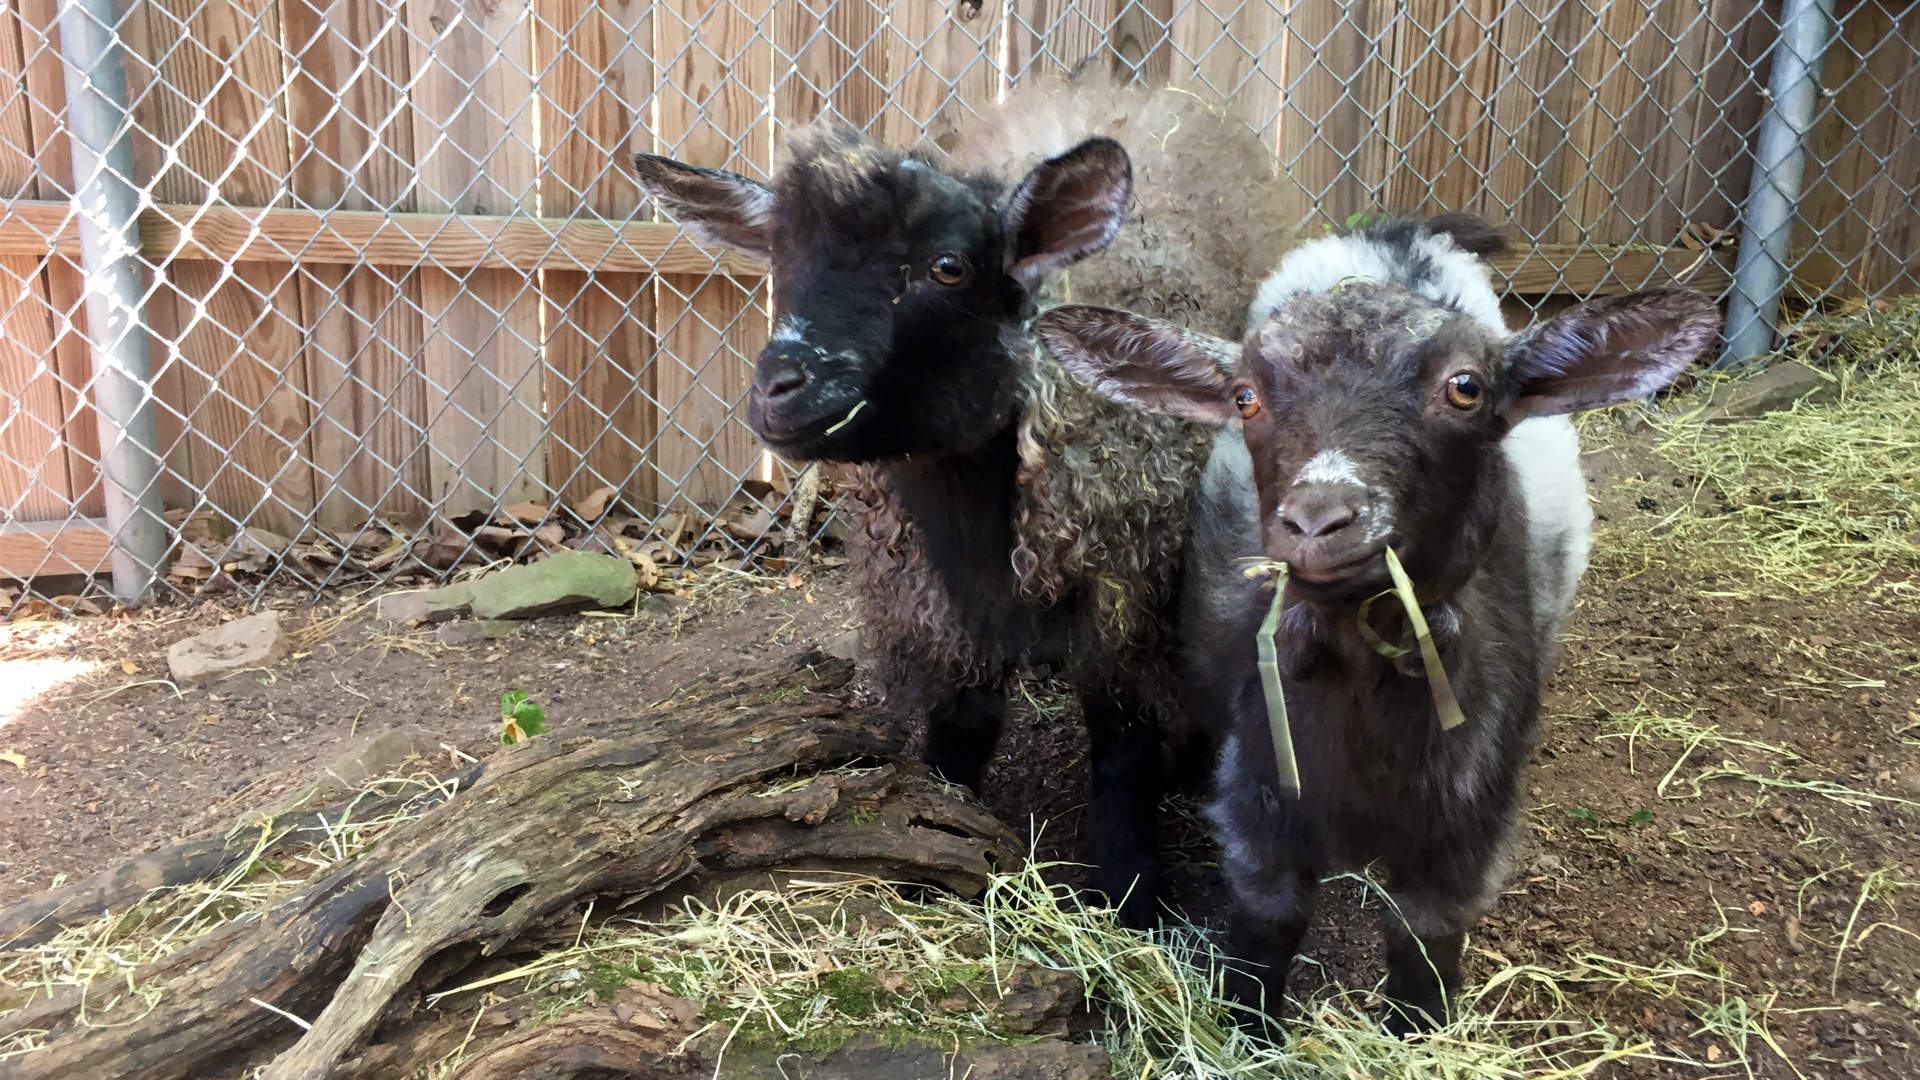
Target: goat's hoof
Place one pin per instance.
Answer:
(1403, 1020)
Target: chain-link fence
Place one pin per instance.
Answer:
(401, 307)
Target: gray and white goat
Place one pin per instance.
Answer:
(1380, 402)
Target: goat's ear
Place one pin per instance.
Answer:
(1067, 209)
(1604, 352)
(1142, 362)
(718, 207)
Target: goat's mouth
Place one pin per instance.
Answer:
(1335, 571)
(806, 430)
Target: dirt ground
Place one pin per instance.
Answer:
(1726, 777)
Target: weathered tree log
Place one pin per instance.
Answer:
(727, 778)
(37, 918)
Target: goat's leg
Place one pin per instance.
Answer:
(1123, 806)
(1271, 913)
(1426, 931)
(962, 731)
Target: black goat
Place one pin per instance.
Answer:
(1005, 515)
(1377, 389)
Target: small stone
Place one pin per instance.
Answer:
(565, 581)
(254, 641)
(663, 604)
(843, 646)
(474, 631)
(425, 605)
(624, 1011)
(1774, 388)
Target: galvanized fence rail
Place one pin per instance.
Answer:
(332, 290)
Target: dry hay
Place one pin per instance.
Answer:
(1811, 499)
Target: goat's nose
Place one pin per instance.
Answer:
(1318, 510)
(779, 374)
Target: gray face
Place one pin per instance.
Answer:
(1372, 416)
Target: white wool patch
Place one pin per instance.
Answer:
(1458, 278)
(792, 329)
(1544, 454)
(1329, 467)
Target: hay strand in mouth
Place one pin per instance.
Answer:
(848, 419)
(1444, 702)
(1284, 762)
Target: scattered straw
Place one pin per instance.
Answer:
(1812, 499)
(825, 959)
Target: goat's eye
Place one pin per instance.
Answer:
(949, 269)
(1248, 404)
(1463, 390)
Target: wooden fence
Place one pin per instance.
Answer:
(399, 268)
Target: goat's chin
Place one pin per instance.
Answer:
(805, 433)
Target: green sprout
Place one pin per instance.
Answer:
(520, 719)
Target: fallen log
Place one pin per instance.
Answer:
(775, 771)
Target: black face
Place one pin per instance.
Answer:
(890, 303)
(1372, 416)
(900, 288)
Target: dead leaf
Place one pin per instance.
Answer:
(17, 760)
(550, 534)
(794, 581)
(532, 513)
(129, 666)
(42, 774)
(495, 534)
(1713, 1053)
(1793, 930)
(1757, 908)
(93, 808)
(594, 506)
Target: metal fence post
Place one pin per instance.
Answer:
(1760, 268)
(106, 203)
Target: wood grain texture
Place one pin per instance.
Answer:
(353, 148)
(1053, 36)
(1235, 50)
(54, 548)
(943, 66)
(473, 118)
(595, 78)
(837, 57)
(231, 340)
(401, 240)
(711, 111)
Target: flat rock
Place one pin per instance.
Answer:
(564, 581)
(867, 1057)
(367, 758)
(426, 605)
(1774, 388)
(474, 631)
(254, 641)
(845, 646)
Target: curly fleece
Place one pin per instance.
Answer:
(1103, 494)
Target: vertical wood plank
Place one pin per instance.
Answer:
(829, 53)
(46, 91)
(1437, 120)
(1142, 40)
(942, 57)
(1235, 50)
(595, 80)
(716, 71)
(36, 482)
(1046, 36)
(353, 150)
(1727, 109)
(473, 138)
(1337, 84)
(218, 76)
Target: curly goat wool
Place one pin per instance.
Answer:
(1102, 504)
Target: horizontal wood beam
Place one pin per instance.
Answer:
(29, 550)
(448, 241)
(467, 241)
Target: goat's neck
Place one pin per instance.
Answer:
(962, 505)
